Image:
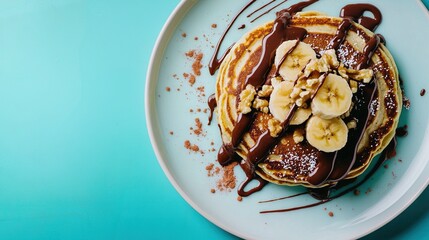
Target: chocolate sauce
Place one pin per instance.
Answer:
(422, 92)
(214, 61)
(340, 34)
(402, 131)
(260, 8)
(212, 105)
(356, 12)
(346, 157)
(323, 194)
(369, 50)
(269, 10)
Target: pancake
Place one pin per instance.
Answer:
(371, 119)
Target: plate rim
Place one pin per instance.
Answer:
(152, 75)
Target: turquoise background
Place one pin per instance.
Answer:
(75, 157)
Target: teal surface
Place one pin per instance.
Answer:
(75, 158)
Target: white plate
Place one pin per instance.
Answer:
(382, 198)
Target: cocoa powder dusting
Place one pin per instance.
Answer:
(356, 192)
(228, 180)
(197, 65)
(188, 145)
(191, 79)
(199, 127)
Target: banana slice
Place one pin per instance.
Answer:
(295, 61)
(327, 135)
(333, 98)
(281, 103)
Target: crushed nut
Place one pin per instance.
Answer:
(265, 91)
(261, 105)
(276, 80)
(342, 71)
(295, 92)
(352, 124)
(246, 98)
(330, 57)
(318, 65)
(274, 127)
(363, 75)
(353, 86)
(298, 135)
(311, 82)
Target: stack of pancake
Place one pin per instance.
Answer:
(292, 161)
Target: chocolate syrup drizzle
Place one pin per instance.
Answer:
(212, 105)
(329, 170)
(214, 61)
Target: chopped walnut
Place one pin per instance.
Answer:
(363, 75)
(246, 98)
(318, 65)
(352, 124)
(295, 92)
(276, 80)
(342, 71)
(330, 57)
(274, 127)
(261, 105)
(298, 135)
(353, 86)
(311, 83)
(265, 91)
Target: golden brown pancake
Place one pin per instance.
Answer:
(292, 163)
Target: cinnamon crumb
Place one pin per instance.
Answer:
(184, 34)
(196, 66)
(228, 180)
(171, 132)
(400, 160)
(212, 190)
(198, 109)
(185, 75)
(195, 38)
(190, 53)
(422, 92)
(199, 127)
(356, 192)
(209, 167)
(191, 79)
(168, 89)
(331, 214)
(368, 191)
(205, 110)
(190, 146)
(214, 25)
(239, 198)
